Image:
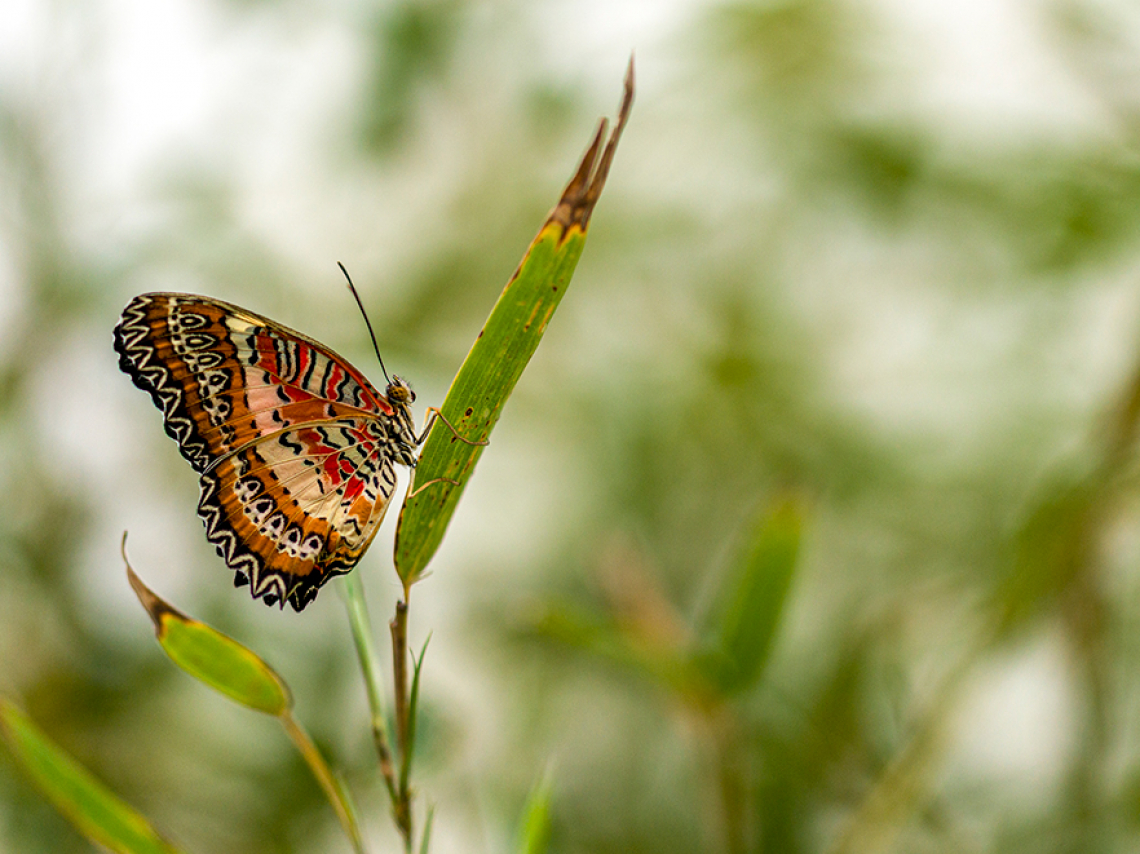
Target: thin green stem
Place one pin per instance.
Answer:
(399, 629)
(336, 792)
(731, 777)
(426, 841)
(370, 665)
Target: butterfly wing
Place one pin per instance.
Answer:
(247, 400)
(224, 376)
(289, 511)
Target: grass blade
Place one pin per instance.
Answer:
(413, 709)
(96, 812)
(757, 593)
(239, 673)
(425, 841)
(534, 825)
(499, 355)
(212, 657)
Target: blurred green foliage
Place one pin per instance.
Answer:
(813, 273)
(103, 818)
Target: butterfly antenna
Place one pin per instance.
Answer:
(367, 322)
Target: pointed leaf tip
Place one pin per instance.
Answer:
(499, 355)
(535, 822)
(155, 607)
(582, 193)
(212, 657)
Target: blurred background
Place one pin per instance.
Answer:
(864, 271)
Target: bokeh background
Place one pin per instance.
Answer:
(871, 260)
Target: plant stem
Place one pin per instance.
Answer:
(732, 786)
(399, 629)
(370, 665)
(337, 794)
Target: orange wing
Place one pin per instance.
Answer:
(295, 448)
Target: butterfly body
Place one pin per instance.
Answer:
(294, 448)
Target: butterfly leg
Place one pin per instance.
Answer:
(431, 482)
(434, 413)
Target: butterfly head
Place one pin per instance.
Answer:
(401, 397)
(399, 392)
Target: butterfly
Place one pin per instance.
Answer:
(294, 448)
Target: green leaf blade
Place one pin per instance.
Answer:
(413, 712)
(756, 599)
(479, 392)
(224, 664)
(91, 807)
(214, 658)
(535, 823)
(498, 357)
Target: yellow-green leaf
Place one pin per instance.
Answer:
(212, 657)
(534, 826)
(499, 355)
(755, 600)
(96, 812)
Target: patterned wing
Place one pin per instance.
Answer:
(290, 511)
(294, 446)
(224, 376)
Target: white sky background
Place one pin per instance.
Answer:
(128, 86)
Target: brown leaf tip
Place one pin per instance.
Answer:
(585, 188)
(156, 607)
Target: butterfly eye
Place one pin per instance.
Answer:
(398, 391)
